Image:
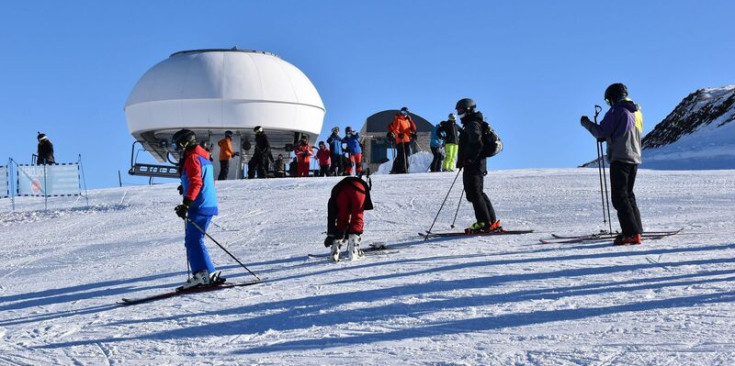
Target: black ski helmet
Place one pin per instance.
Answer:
(184, 139)
(228, 133)
(258, 129)
(465, 104)
(348, 129)
(615, 92)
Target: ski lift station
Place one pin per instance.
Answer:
(215, 90)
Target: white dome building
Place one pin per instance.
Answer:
(215, 90)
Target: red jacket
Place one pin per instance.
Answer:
(303, 152)
(324, 156)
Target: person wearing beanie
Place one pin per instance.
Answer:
(45, 150)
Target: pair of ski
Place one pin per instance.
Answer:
(193, 290)
(428, 235)
(603, 236)
(373, 249)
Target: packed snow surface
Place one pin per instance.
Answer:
(505, 300)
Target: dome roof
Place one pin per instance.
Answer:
(224, 89)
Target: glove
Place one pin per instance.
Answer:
(183, 208)
(400, 135)
(460, 164)
(601, 139)
(585, 122)
(391, 135)
(236, 154)
(413, 135)
(180, 188)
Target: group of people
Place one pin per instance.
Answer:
(336, 157)
(621, 128)
(444, 141)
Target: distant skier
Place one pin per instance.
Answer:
(225, 154)
(352, 140)
(198, 207)
(335, 147)
(324, 156)
(45, 150)
(449, 131)
(349, 199)
(402, 129)
(262, 155)
(437, 149)
(303, 152)
(279, 170)
(621, 128)
(470, 159)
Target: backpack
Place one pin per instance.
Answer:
(491, 144)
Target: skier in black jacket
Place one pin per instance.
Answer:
(448, 130)
(262, 155)
(469, 158)
(45, 150)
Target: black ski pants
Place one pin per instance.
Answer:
(224, 169)
(400, 165)
(258, 164)
(336, 168)
(436, 164)
(622, 180)
(473, 181)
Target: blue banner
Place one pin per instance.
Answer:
(49, 180)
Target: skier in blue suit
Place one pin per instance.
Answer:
(200, 204)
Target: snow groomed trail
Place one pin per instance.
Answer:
(490, 300)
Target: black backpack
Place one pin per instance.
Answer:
(491, 144)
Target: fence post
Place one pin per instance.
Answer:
(84, 179)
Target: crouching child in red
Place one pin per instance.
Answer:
(347, 204)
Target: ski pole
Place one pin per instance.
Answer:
(220, 245)
(599, 172)
(458, 204)
(607, 200)
(442, 205)
(603, 177)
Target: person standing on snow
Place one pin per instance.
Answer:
(470, 159)
(402, 129)
(349, 199)
(303, 152)
(335, 146)
(323, 155)
(225, 154)
(621, 128)
(45, 150)
(262, 155)
(437, 149)
(352, 139)
(449, 131)
(198, 207)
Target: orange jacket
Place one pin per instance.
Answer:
(303, 152)
(402, 127)
(225, 148)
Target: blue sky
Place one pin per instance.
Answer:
(532, 66)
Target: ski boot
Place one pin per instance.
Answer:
(216, 278)
(336, 247)
(627, 240)
(353, 246)
(199, 279)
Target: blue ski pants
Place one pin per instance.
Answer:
(196, 251)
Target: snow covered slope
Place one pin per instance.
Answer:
(471, 301)
(698, 134)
